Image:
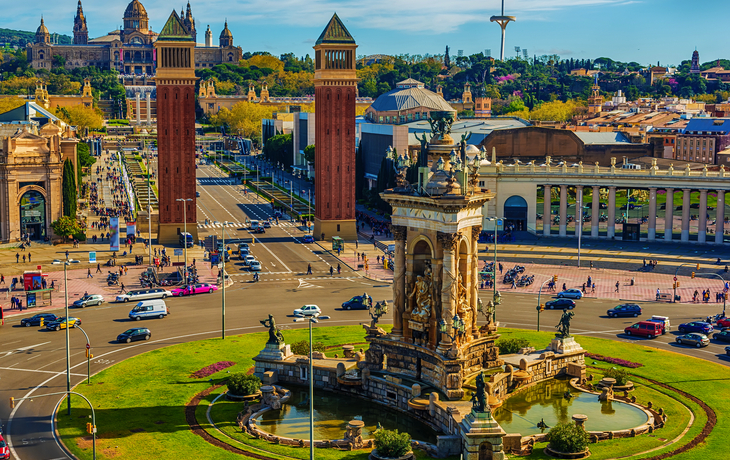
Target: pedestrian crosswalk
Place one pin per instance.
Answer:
(216, 224)
(216, 181)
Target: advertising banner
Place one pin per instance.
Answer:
(131, 229)
(114, 237)
(92, 257)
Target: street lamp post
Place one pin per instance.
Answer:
(185, 230)
(149, 205)
(674, 299)
(68, 339)
(309, 209)
(724, 296)
(539, 305)
(223, 283)
(580, 230)
(495, 295)
(311, 319)
(88, 355)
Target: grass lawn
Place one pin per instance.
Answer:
(140, 402)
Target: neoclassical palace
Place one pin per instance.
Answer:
(129, 50)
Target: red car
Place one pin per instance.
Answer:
(195, 289)
(4, 450)
(723, 322)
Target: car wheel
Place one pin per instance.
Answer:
(698, 345)
(635, 315)
(58, 328)
(147, 337)
(628, 332)
(650, 336)
(137, 318)
(210, 291)
(551, 307)
(679, 341)
(98, 303)
(681, 330)
(162, 316)
(560, 296)
(164, 296)
(347, 307)
(126, 300)
(27, 324)
(129, 339)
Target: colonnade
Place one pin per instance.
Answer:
(652, 217)
(148, 102)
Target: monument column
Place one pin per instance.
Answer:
(652, 214)
(702, 229)
(595, 210)
(448, 285)
(669, 214)
(149, 108)
(720, 220)
(474, 288)
(611, 213)
(139, 108)
(685, 214)
(546, 215)
(578, 209)
(563, 224)
(399, 287)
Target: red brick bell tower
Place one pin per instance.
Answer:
(175, 80)
(335, 89)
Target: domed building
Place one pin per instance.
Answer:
(129, 50)
(409, 101)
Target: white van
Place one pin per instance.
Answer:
(149, 309)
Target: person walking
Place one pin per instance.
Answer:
(339, 269)
(2, 279)
(98, 268)
(591, 264)
(500, 268)
(88, 273)
(17, 257)
(309, 269)
(593, 288)
(23, 258)
(514, 284)
(564, 287)
(617, 285)
(121, 288)
(29, 254)
(332, 270)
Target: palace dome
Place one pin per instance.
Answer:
(135, 10)
(42, 29)
(226, 33)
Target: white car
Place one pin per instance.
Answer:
(308, 310)
(88, 300)
(144, 294)
(249, 260)
(255, 266)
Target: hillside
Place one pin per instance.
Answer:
(21, 38)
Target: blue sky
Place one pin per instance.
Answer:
(645, 31)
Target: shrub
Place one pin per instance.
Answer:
(241, 384)
(392, 444)
(511, 346)
(302, 347)
(567, 437)
(80, 236)
(620, 375)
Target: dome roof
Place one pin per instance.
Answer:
(42, 29)
(410, 97)
(226, 33)
(135, 10)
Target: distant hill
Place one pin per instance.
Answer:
(21, 38)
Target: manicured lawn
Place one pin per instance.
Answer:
(140, 402)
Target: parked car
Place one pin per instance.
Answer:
(255, 266)
(144, 294)
(359, 302)
(35, 320)
(62, 323)
(664, 320)
(723, 322)
(693, 338)
(308, 310)
(695, 326)
(195, 289)
(308, 239)
(4, 449)
(89, 300)
(625, 309)
(137, 333)
(722, 336)
(649, 329)
(149, 309)
(560, 304)
(571, 294)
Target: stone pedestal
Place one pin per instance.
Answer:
(480, 432)
(565, 345)
(274, 352)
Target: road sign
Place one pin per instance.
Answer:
(675, 278)
(88, 347)
(178, 252)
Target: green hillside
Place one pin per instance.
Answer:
(21, 37)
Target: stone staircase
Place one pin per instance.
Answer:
(139, 183)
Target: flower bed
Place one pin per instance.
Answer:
(212, 369)
(608, 359)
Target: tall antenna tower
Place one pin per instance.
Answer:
(502, 21)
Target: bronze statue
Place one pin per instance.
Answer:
(275, 337)
(463, 307)
(563, 326)
(479, 400)
(422, 291)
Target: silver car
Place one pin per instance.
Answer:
(694, 339)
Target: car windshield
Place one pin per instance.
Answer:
(2, 444)
(128, 331)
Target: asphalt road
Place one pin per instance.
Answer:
(32, 361)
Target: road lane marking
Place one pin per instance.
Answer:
(24, 348)
(11, 368)
(304, 284)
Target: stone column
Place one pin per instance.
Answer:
(563, 210)
(149, 109)
(578, 209)
(448, 285)
(686, 193)
(399, 279)
(652, 214)
(595, 211)
(611, 213)
(669, 215)
(702, 229)
(474, 289)
(546, 215)
(139, 108)
(720, 224)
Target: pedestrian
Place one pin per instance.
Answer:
(589, 280)
(514, 284)
(338, 269)
(98, 268)
(23, 258)
(88, 273)
(617, 285)
(591, 264)
(309, 269)
(593, 288)
(644, 262)
(17, 257)
(584, 288)
(658, 293)
(20, 305)
(2, 279)
(377, 259)
(53, 284)
(332, 270)
(500, 268)
(564, 287)
(29, 257)
(121, 288)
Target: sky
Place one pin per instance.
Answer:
(645, 31)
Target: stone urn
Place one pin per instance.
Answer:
(374, 456)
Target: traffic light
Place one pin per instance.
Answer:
(12, 402)
(542, 307)
(693, 274)
(89, 427)
(698, 266)
(677, 283)
(555, 278)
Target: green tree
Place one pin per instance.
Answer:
(84, 158)
(69, 190)
(279, 149)
(65, 226)
(309, 154)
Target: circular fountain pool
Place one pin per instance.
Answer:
(331, 414)
(521, 412)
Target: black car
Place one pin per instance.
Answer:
(137, 333)
(722, 336)
(36, 319)
(560, 304)
(625, 309)
(358, 302)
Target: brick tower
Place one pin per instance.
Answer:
(335, 89)
(175, 79)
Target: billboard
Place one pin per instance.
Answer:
(114, 237)
(131, 228)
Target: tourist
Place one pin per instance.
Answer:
(617, 285)
(88, 273)
(17, 257)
